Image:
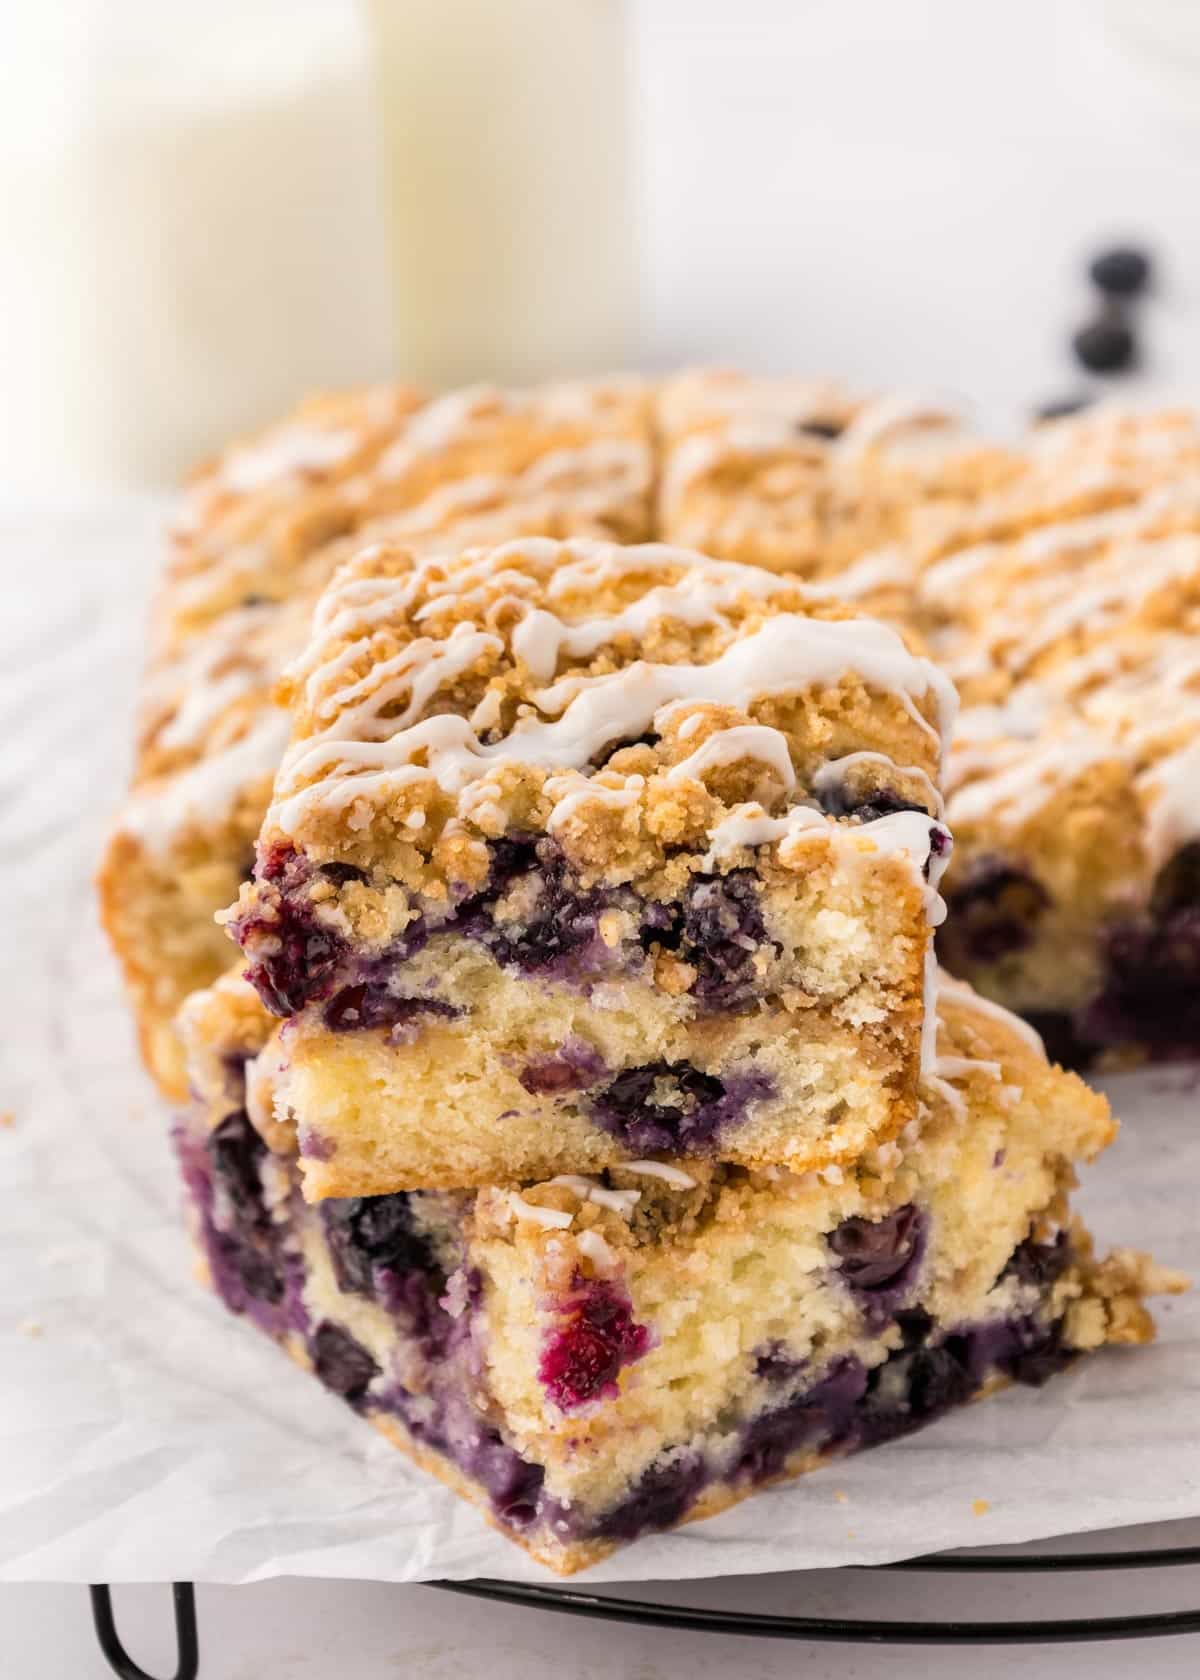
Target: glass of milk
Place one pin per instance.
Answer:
(507, 159)
(194, 229)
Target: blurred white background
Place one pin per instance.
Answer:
(906, 192)
(896, 192)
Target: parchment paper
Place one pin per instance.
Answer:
(146, 1435)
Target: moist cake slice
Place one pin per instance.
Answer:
(599, 1357)
(585, 853)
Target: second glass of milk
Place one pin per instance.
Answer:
(507, 167)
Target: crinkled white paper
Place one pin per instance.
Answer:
(146, 1435)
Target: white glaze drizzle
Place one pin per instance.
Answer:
(674, 1176)
(882, 419)
(291, 450)
(967, 998)
(594, 1248)
(589, 1190)
(731, 746)
(960, 1067)
(361, 752)
(1174, 786)
(833, 770)
(749, 825)
(550, 1219)
(207, 791)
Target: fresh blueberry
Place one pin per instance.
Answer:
(1123, 271)
(1105, 345)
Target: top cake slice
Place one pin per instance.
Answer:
(583, 854)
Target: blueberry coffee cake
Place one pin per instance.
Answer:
(603, 1355)
(1074, 783)
(260, 532)
(800, 476)
(892, 505)
(584, 853)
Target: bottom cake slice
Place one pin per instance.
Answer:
(591, 1359)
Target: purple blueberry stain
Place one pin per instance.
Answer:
(674, 1106)
(250, 1267)
(365, 1006)
(720, 932)
(550, 918)
(292, 954)
(369, 1236)
(821, 1415)
(574, 1066)
(533, 914)
(450, 1426)
(661, 1496)
(1149, 997)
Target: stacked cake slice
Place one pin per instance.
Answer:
(599, 1356)
(591, 1117)
(581, 853)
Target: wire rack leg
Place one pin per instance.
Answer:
(187, 1645)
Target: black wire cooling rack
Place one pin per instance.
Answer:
(572, 1601)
